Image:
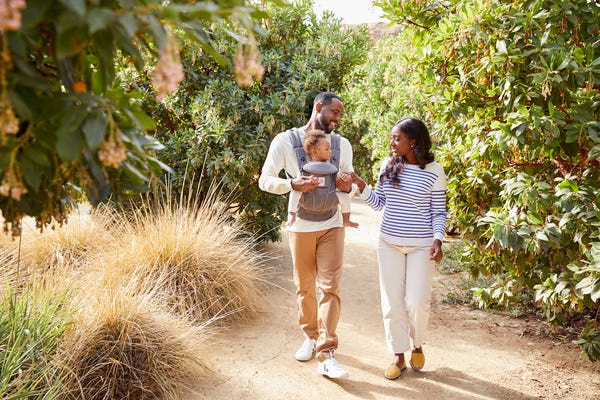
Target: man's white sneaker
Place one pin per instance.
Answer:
(306, 351)
(331, 368)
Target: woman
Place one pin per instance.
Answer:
(411, 190)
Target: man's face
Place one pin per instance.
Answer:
(329, 115)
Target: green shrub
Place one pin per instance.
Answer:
(511, 92)
(219, 131)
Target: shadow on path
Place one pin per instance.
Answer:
(442, 383)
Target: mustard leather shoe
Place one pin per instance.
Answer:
(393, 371)
(417, 360)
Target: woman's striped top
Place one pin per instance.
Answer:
(414, 212)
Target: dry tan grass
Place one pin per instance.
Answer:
(53, 256)
(124, 347)
(138, 279)
(191, 255)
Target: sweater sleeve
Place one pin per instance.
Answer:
(375, 198)
(438, 205)
(294, 201)
(345, 155)
(269, 179)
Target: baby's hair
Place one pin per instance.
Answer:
(311, 139)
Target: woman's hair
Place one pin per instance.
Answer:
(311, 139)
(416, 130)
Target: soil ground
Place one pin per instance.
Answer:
(470, 354)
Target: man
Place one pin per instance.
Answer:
(316, 246)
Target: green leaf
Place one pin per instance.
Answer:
(69, 141)
(100, 18)
(157, 164)
(104, 44)
(94, 129)
(501, 234)
(68, 42)
(34, 12)
(126, 44)
(130, 24)
(134, 173)
(501, 47)
(5, 156)
(19, 105)
(97, 188)
(140, 118)
(31, 173)
(75, 5)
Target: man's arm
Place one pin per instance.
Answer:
(294, 201)
(343, 181)
(269, 179)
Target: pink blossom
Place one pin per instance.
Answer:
(168, 71)
(10, 14)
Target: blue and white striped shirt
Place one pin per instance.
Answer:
(414, 212)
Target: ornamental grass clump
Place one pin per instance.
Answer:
(201, 266)
(124, 347)
(32, 324)
(54, 255)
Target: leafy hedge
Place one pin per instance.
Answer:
(511, 92)
(219, 131)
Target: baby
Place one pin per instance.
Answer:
(318, 149)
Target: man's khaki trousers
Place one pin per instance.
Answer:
(318, 258)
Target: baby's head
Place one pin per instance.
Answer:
(316, 145)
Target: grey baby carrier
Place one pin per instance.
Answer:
(320, 203)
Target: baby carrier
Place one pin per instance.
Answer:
(320, 203)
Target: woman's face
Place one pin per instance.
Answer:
(400, 144)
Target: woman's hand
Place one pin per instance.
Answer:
(435, 253)
(358, 181)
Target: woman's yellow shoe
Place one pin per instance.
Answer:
(417, 359)
(393, 371)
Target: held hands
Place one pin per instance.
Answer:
(344, 182)
(435, 253)
(358, 181)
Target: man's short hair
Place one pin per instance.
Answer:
(326, 97)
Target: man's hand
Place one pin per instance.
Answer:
(305, 183)
(343, 182)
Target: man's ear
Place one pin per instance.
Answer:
(318, 107)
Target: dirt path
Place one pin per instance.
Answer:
(470, 354)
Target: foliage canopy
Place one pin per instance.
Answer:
(219, 131)
(511, 92)
(69, 129)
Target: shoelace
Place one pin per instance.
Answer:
(333, 360)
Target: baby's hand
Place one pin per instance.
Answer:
(291, 219)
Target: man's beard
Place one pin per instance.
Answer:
(324, 128)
